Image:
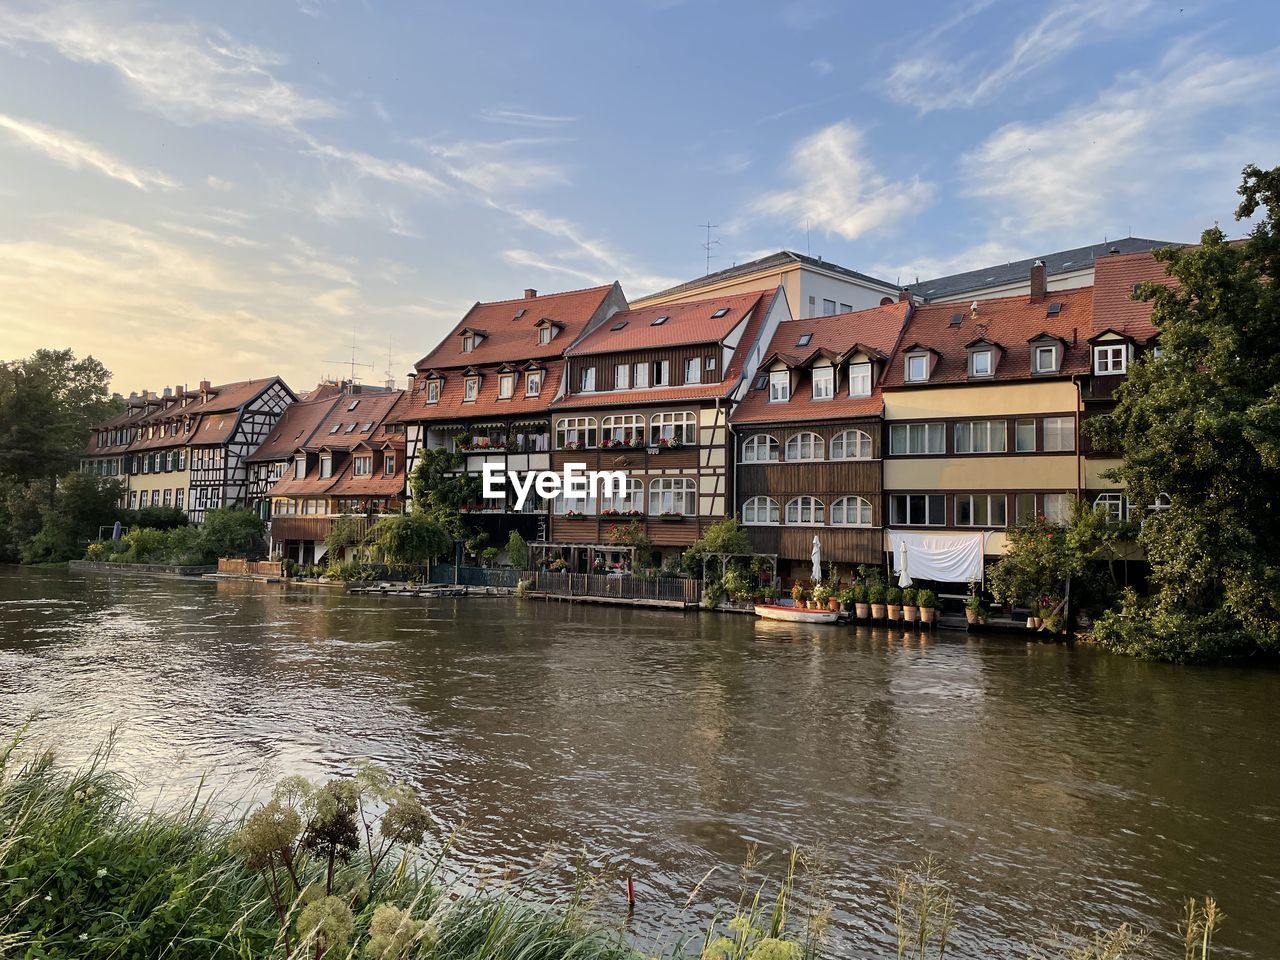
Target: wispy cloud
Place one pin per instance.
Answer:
(524, 118)
(838, 190)
(71, 151)
(391, 171)
(187, 73)
(822, 66)
(937, 78)
(498, 166)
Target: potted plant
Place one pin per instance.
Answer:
(927, 601)
(909, 600)
(875, 597)
(893, 600)
(846, 600)
(1033, 617)
(821, 594)
(797, 594)
(975, 611)
(860, 605)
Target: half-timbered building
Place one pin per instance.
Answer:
(809, 439)
(649, 393)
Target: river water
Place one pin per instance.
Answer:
(1055, 786)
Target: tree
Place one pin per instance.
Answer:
(1200, 424)
(409, 539)
(441, 492)
(232, 532)
(82, 504)
(724, 536)
(517, 551)
(345, 532)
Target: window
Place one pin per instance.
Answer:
(620, 325)
(760, 449)
(433, 391)
(506, 386)
(917, 367)
(851, 512)
(779, 386)
(640, 376)
(760, 510)
(804, 340)
(133, 500)
(1045, 359)
(846, 308)
(711, 363)
(980, 510)
(168, 497)
(918, 509)
(860, 379)
(1110, 359)
(587, 379)
(723, 311)
(672, 495)
(351, 427)
(1113, 506)
(468, 342)
(1057, 508)
(300, 467)
(828, 308)
(693, 370)
(804, 446)
(824, 383)
(659, 321)
(1060, 433)
(470, 389)
(629, 498)
(575, 433)
(177, 497)
(544, 334)
(662, 373)
(335, 428)
(533, 383)
(911, 439)
(980, 363)
(622, 429)
(1024, 508)
(981, 436)
(1024, 436)
(326, 466)
(851, 445)
(362, 466)
(622, 376)
(388, 464)
(805, 510)
(353, 404)
(681, 426)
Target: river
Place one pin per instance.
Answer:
(1056, 786)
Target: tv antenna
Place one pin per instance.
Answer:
(709, 226)
(353, 362)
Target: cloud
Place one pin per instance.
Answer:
(522, 118)
(213, 236)
(1144, 138)
(70, 151)
(822, 66)
(499, 166)
(839, 191)
(217, 183)
(186, 73)
(936, 78)
(391, 171)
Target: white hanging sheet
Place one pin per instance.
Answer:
(950, 557)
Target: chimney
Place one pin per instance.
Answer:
(205, 386)
(530, 293)
(904, 295)
(1039, 286)
(168, 393)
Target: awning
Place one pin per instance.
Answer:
(950, 557)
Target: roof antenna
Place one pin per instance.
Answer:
(354, 363)
(709, 243)
(808, 247)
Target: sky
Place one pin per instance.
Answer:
(196, 191)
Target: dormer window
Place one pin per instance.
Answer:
(1044, 359)
(1110, 359)
(860, 379)
(300, 467)
(470, 389)
(545, 333)
(980, 363)
(468, 342)
(779, 386)
(533, 383)
(506, 386)
(588, 379)
(433, 391)
(693, 370)
(917, 367)
(824, 382)
(326, 466)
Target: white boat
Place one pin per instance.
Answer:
(795, 614)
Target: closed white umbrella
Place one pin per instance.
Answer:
(816, 556)
(904, 578)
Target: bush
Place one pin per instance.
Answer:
(927, 599)
(875, 593)
(517, 551)
(712, 595)
(893, 596)
(233, 532)
(909, 597)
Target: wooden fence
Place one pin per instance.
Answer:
(671, 589)
(250, 568)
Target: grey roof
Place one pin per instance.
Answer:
(782, 258)
(1063, 261)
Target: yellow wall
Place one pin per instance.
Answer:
(1093, 470)
(995, 400)
(1041, 472)
(146, 482)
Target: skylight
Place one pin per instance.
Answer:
(351, 428)
(720, 313)
(335, 428)
(619, 325)
(956, 319)
(521, 313)
(804, 340)
(1055, 309)
(761, 382)
(659, 321)
(367, 427)
(353, 404)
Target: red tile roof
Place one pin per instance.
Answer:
(295, 427)
(876, 329)
(487, 405)
(1114, 308)
(508, 339)
(352, 419)
(686, 323)
(1010, 322)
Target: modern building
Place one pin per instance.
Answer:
(486, 391)
(650, 393)
(810, 442)
(814, 287)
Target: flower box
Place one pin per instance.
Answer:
(669, 443)
(671, 516)
(573, 445)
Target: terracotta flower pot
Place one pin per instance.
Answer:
(833, 604)
(894, 610)
(927, 614)
(877, 611)
(863, 610)
(909, 614)
(971, 615)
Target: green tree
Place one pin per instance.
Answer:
(345, 532)
(82, 504)
(724, 536)
(517, 551)
(1201, 425)
(409, 539)
(232, 532)
(441, 492)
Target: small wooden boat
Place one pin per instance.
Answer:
(795, 614)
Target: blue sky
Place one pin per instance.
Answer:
(228, 190)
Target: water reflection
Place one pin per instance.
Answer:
(1056, 785)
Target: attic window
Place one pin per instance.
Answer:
(956, 319)
(1137, 291)
(980, 363)
(762, 381)
(351, 428)
(545, 333)
(367, 427)
(522, 311)
(621, 324)
(1054, 309)
(468, 342)
(804, 339)
(720, 313)
(335, 428)
(659, 321)
(353, 404)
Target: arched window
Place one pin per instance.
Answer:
(851, 512)
(761, 448)
(804, 446)
(805, 510)
(851, 445)
(760, 510)
(680, 427)
(672, 495)
(575, 433)
(622, 431)
(1113, 506)
(629, 499)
